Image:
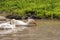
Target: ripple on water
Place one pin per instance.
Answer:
(11, 31)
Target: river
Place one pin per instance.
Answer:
(46, 30)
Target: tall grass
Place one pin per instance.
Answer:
(42, 8)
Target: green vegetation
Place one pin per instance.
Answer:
(42, 8)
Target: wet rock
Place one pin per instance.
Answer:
(2, 18)
(30, 14)
(13, 17)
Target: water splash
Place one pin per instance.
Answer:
(11, 31)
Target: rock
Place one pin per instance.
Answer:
(2, 18)
(13, 17)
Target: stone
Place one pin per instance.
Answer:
(2, 18)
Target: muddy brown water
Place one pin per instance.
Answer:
(46, 30)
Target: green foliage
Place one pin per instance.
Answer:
(42, 8)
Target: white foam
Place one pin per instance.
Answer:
(13, 30)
